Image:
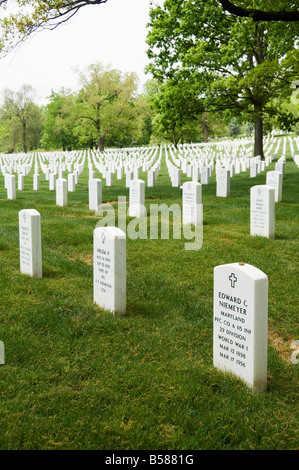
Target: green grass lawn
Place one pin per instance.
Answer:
(76, 377)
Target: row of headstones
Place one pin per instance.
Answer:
(55, 172)
(234, 154)
(107, 166)
(224, 170)
(263, 198)
(240, 297)
(223, 175)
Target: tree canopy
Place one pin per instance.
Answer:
(240, 66)
(210, 58)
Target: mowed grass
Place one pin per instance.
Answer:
(76, 377)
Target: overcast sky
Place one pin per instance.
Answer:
(113, 33)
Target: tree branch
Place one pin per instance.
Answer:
(260, 15)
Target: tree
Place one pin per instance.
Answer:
(23, 117)
(234, 127)
(60, 121)
(106, 106)
(176, 109)
(239, 65)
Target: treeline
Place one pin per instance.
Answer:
(108, 111)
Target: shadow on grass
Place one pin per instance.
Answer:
(51, 273)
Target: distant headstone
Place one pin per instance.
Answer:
(274, 180)
(30, 243)
(2, 353)
(262, 211)
(52, 181)
(176, 177)
(223, 182)
(129, 176)
(109, 278)
(11, 186)
(137, 198)
(205, 175)
(151, 178)
(21, 182)
(192, 206)
(71, 183)
(241, 323)
(36, 182)
(280, 166)
(109, 178)
(61, 192)
(253, 169)
(95, 194)
(119, 173)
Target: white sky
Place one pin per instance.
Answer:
(112, 33)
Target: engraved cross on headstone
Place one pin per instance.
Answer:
(233, 279)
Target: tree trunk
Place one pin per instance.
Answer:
(24, 137)
(258, 132)
(205, 127)
(101, 144)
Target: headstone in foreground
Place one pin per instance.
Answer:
(241, 323)
(30, 243)
(109, 271)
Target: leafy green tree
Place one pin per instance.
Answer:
(176, 108)
(234, 127)
(106, 106)
(239, 64)
(60, 121)
(23, 118)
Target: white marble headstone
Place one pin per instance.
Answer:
(2, 353)
(11, 186)
(71, 183)
(223, 182)
(36, 182)
(30, 243)
(262, 211)
(205, 175)
(241, 323)
(21, 177)
(253, 169)
(192, 203)
(137, 198)
(95, 194)
(274, 179)
(109, 273)
(61, 192)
